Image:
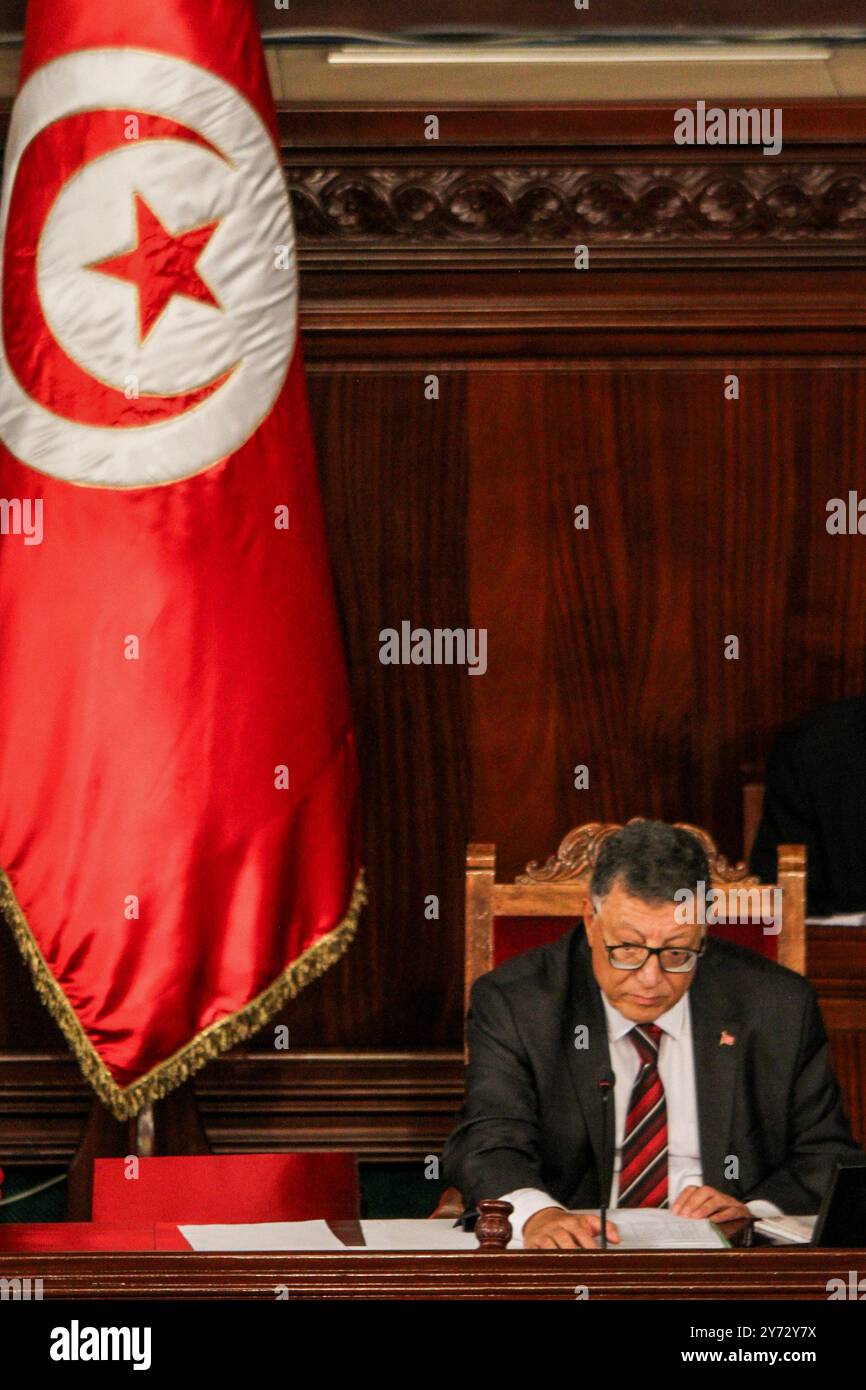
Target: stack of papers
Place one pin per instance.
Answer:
(792, 1230)
(648, 1228)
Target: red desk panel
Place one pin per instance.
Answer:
(82, 1236)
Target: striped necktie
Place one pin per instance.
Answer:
(643, 1175)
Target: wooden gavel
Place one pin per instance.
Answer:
(493, 1229)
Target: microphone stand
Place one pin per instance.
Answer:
(605, 1086)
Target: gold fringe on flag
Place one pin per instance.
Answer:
(219, 1037)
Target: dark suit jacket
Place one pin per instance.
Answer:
(533, 1115)
(816, 795)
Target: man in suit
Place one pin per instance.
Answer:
(816, 796)
(724, 1100)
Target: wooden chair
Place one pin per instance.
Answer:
(208, 1188)
(504, 919)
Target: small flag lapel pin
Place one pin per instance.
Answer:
(726, 1039)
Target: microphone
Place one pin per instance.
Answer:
(606, 1083)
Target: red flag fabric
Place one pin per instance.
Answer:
(179, 831)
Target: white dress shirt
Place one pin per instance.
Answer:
(676, 1066)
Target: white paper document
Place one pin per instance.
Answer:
(648, 1228)
(435, 1234)
(264, 1235)
(438, 1234)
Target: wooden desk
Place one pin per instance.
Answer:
(763, 1274)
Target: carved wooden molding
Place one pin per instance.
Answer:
(579, 849)
(643, 208)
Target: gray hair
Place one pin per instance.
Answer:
(652, 861)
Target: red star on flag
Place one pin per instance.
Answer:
(161, 265)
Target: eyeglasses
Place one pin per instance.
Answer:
(674, 960)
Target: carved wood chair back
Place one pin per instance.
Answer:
(503, 919)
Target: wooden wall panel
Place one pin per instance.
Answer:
(391, 1106)
(605, 646)
(707, 519)
(394, 478)
(848, 1051)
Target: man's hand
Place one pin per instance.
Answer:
(555, 1229)
(709, 1204)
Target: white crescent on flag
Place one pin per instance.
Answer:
(229, 350)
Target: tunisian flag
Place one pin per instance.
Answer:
(179, 833)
